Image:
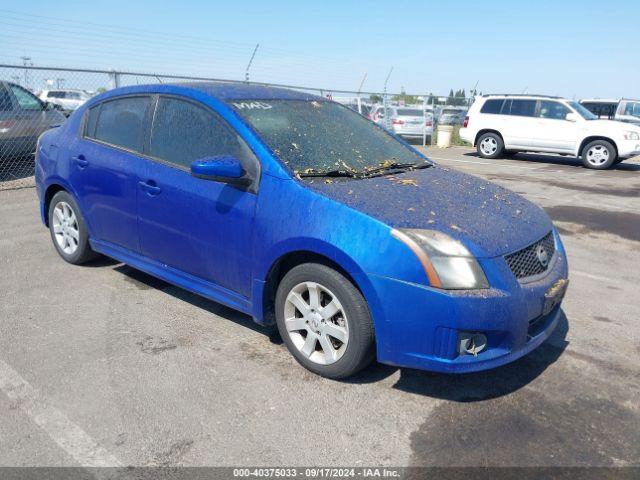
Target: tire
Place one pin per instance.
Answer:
(618, 160)
(68, 230)
(309, 335)
(599, 155)
(490, 145)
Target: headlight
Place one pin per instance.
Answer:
(447, 263)
(629, 135)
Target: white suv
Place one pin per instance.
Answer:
(500, 125)
(67, 99)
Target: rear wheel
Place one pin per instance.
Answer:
(324, 321)
(599, 155)
(490, 145)
(68, 230)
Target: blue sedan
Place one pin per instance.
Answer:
(305, 215)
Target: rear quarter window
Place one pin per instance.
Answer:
(492, 106)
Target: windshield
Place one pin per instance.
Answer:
(319, 136)
(633, 109)
(584, 113)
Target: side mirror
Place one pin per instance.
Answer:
(571, 117)
(223, 169)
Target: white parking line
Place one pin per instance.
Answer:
(69, 436)
(599, 278)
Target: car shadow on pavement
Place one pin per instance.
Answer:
(568, 161)
(469, 387)
(472, 387)
(144, 281)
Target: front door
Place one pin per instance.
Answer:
(201, 227)
(553, 131)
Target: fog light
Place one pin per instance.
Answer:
(471, 343)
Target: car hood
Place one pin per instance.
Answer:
(488, 219)
(612, 125)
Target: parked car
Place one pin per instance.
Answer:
(410, 122)
(377, 114)
(622, 110)
(23, 117)
(452, 116)
(67, 99)
(270, 201)
(506, 124)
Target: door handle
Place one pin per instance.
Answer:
(150, 187)
(81, 161)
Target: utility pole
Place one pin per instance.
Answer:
(359, 90)
(246, 73)
(26, 61)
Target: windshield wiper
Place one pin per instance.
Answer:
(327, 173)
(395, 166)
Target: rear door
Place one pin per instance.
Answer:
(519, 123)
(104, 163)
(201, 227)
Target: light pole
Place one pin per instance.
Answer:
(26, 61)
(384, 96)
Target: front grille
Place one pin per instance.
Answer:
(534, 259)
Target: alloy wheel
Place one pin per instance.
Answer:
(65, 228)
(316, 323)
(489, 146)
(598, 155)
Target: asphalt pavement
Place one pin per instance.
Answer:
(104, 365)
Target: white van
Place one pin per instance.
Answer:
(624, 110)
(500, 125)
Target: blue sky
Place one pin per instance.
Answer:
(570, 48)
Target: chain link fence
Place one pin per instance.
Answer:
(34, 99)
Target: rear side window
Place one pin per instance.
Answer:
(492, 106)
(122, 122)
(184, 132)
(409, 112)
(523, 108)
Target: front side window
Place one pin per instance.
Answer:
(523, 108)
(553, 110)
(26, 100)
(121, 122)
(310, 135)
(583, 112)
(184, 132)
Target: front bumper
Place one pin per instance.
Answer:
(628, 148)
(420, 327)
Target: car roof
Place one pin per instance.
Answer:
(600, 100)
(520, 95)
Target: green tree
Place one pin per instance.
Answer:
(373, 98)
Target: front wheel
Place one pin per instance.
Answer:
(599, 155)
(68, 230)
(324, 321)
(490, 145)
